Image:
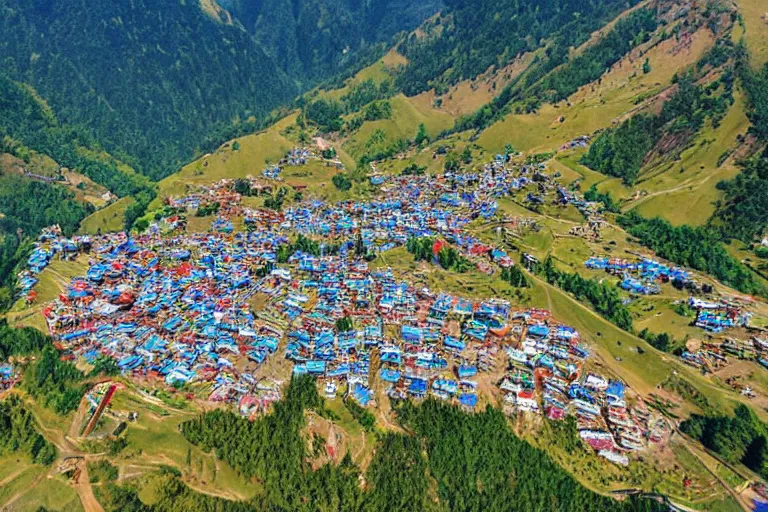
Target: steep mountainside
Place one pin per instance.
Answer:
(155, 80)
(470, 37)
(314, 38)
(150, 80)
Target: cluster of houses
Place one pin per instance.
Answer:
(717, 316)
(546, 376)
(221, 193)
(411, 342)
(170, 308)
(209, 312)
(645, 277)
(296, 157)
(51, 244)
(714, 354)
(180, 309)
(640, 277)
(8, 376)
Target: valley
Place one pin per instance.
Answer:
(462, 269)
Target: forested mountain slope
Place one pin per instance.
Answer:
(150, 80)
(470, 37)
(153, 81)
(312, 39)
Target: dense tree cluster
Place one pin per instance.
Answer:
(622, 151)
(31, 205)
(102, 471)
(342, 182)
(470, 37)
(414, 169)
(515, 277)
(273, 449)
(480, 465)
(380, 147)
(20, 342)
(326, 114)
(307, 246)
(276, 200)
(743, 213)
(589, 66)
(208, 209)
(28, 123)
(12, 252)
(137, 209)
(594, 195)
(56, 383)
(380, 109)
(475, 459)
(756, 85)
(742, 437)
(363, 93)
(447, 257)
(315, 39)
(604, 298)
(699, 248)
(662, 341)
(104, 365)
(363, 416)
(149, 79)
(19, 432)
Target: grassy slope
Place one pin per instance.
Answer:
(52, 281)
(594, 107)
(407, 114)
(379, 71)
(468, 96)
(108, 219)
(684, 192)
(754, 14)
(685, 197)
(26, 486)
(681, 197)
(255, 151)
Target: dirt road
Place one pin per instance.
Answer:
(85, 491)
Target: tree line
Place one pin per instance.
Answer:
(699, 248)
(604, 298)
(467, 39)
(480, 465)
(553, 76)
(622, 151)
(475, 460)
(447, 257)
(31, 205)
(589, 66)
(743, 212)
(19, 433)
(741, 438)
